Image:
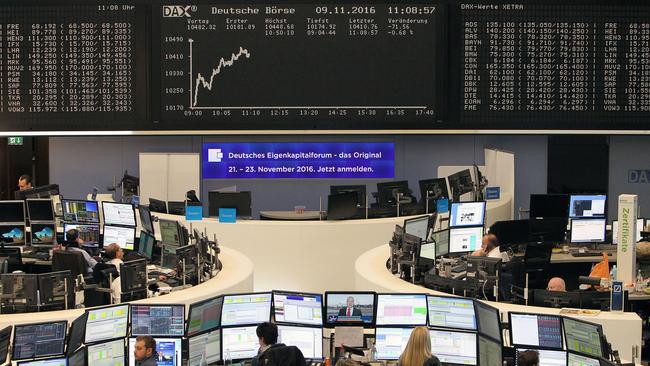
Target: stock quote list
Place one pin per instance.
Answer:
(237, 65)
(556, 66)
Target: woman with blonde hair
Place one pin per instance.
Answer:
(418, 350)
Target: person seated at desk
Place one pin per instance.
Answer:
(73, 243)
(528, 358)
(267, 334)
(24, 182)
(115, 253)
(556, 284)
(418, 350)
(144, 351)
(490, 248)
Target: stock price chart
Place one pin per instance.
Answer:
(299, 66)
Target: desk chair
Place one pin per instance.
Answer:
(285, 356)
(63, 260)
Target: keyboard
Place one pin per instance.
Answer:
(587, 254)
(459, 268)
(44, 256)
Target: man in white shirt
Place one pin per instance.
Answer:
(115, 253)
(489, 248)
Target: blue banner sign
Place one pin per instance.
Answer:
(232, 160)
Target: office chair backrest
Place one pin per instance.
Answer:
(285, 356)
(74, 262)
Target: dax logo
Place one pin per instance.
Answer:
(215, 155)
(638, 176)
(177, 11)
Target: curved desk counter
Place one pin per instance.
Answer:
(236, 276)
(623, 330)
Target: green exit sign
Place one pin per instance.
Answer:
(18, 140)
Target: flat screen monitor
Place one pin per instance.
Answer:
(145, 219)
(358, 190)
(107, 323)
(176, 208)
(391, 342)
(158, 320)
(146, 244)
(12, 211)
(12, 234)
(583, 337)
(246, 309)
(460, 183)
(78, 358)
(77, 333)
(54, 361)
(133, 276)
(454, 347)
(549, 229)
(466, 239)
(574, 359)
(52, 288)
(490, 353)
(441, 238)
(546, 357)
(118, 213)
(169, 233)
(204, 316)
(488, 321)
(240, 343)
(80, 211)
(640, 225)
(556, 299)
(535, 330)
(298, 308)
(5, 338)
(157, 206)
(511, 232)
(401, 309)
(549, 205)
(451, 312)
(465, 214)
(205, 348)
(168, 349)
(587, 206)
(308, 339)
(123, 236)
(107, 354)
(241, 201)
(342, 206)
(435, 189)
(21, 286)
(40, 209)
(43, 234)
(428, 250)
(350, 308)
(588, 230)
(39, 340)
(418, 226)
(388, 191)
(89, 233)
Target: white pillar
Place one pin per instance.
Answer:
(626, 251)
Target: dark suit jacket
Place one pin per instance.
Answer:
(355, 311)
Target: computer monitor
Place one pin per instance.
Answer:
(546, 357)
(176, 208)
(435, 188)
(401, 309)
(241, 201)
(77, 334)
(490, 353)
(460, 183)
(308, 339)
(158, 320)
(548, 229)
(588, 230)
(454, 347)
(246, 309)
(240, 343)
(80, 211)
(342, 206)
(12, 211)
(640, 225)
(133, 276)
(43, 235)
(535, 330)
(21, 288)
(204, 316)
(5, 338)
(146, 244)
(441, 238)
(298, 308)
(388, 191)
(78, 358)
(168, 349)
(12, 234)
(169, 233)
(483, 266)
(574, 359)
(145, 219)
(56, 288)
(204, 348)
(123, 236)
(118, 213)
(110, 353)
(466, 239)
(40, 209)
(465, 214)
(488, 321)
(107, 323)
(587, 206)
(598, 300)
(428, 251)
(157, 206)
(556, 299)
(89, 233)
(358, 190)
(511, 232)
(418, 226)
(391, 342)
(39, 340)
(349, 308)
(549, 205)
(451, 312)
(54, 361)
(583, 337)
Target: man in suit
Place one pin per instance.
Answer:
(350, 310)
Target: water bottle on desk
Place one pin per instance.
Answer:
(227, 359)
(640, 283)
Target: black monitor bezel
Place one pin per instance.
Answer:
(328, 324)
(64, 200)
(29, 215)
(132, 228)
(88, 311)
(603, 219)
(56, 355)
(24, 228)
(271, 313)
(81, 322)
(189, 338)
(475, 334)
(394, 327)
(131, 312)
(525, 348)
(451, 210)
(32, 232)
(305, 327)
(97, 244)
(604, 215)
(140, 241)
(426, 304)
(135, 220)
(478, 303)
(283, 292)
(86, 348)
(193, 306)
(18, 202)
(128, 341)
(453, 298)
(599, 329)
(223, 329)
(511, 335)
(146, 210)
(417, 218)
(464, 228)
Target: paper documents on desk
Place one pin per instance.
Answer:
(571, 311)
(349, 336)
